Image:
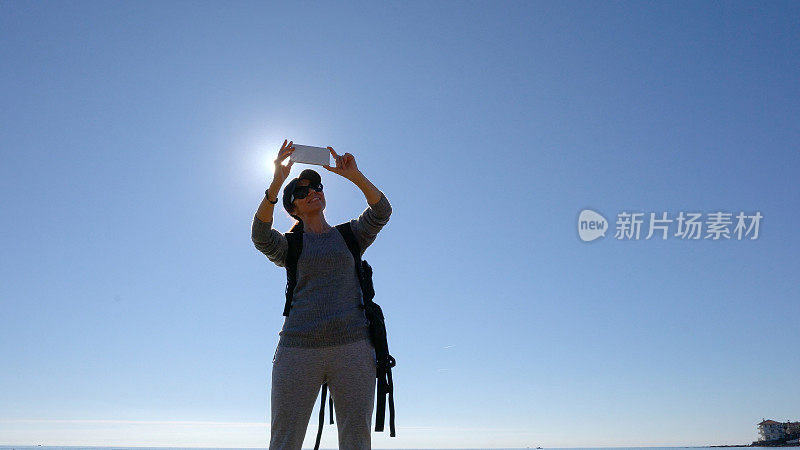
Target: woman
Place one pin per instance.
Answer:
(325, 337)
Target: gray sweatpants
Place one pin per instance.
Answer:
(297, 376)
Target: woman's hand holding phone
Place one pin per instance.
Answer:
(345, 165)
(281, 171)
(267, 206)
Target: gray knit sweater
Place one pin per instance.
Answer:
(325, 307)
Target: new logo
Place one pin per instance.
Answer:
(591, 225)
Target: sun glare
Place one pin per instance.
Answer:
(263, 149)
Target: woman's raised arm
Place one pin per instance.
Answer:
(271, 242)
(266, 208)
(370, 222)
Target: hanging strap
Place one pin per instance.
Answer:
(391, 403)
(321, 416)
(385, 386)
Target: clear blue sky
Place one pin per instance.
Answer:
(137, 140)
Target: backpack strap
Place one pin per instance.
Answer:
(295, 240)
(352, 244)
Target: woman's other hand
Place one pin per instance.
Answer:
(345, 165)
(281, 171)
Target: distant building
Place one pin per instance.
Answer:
(770, 430)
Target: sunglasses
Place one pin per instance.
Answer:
(302, 191)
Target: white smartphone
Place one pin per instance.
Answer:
(311, 155)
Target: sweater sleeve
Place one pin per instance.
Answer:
(370, 222)
(270, 242)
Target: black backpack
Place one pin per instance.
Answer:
(374, 314)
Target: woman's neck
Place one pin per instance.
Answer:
(315, 224)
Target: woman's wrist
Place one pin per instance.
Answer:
(372, 194)
(272, 191)
(358, 178)
(276, 184)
